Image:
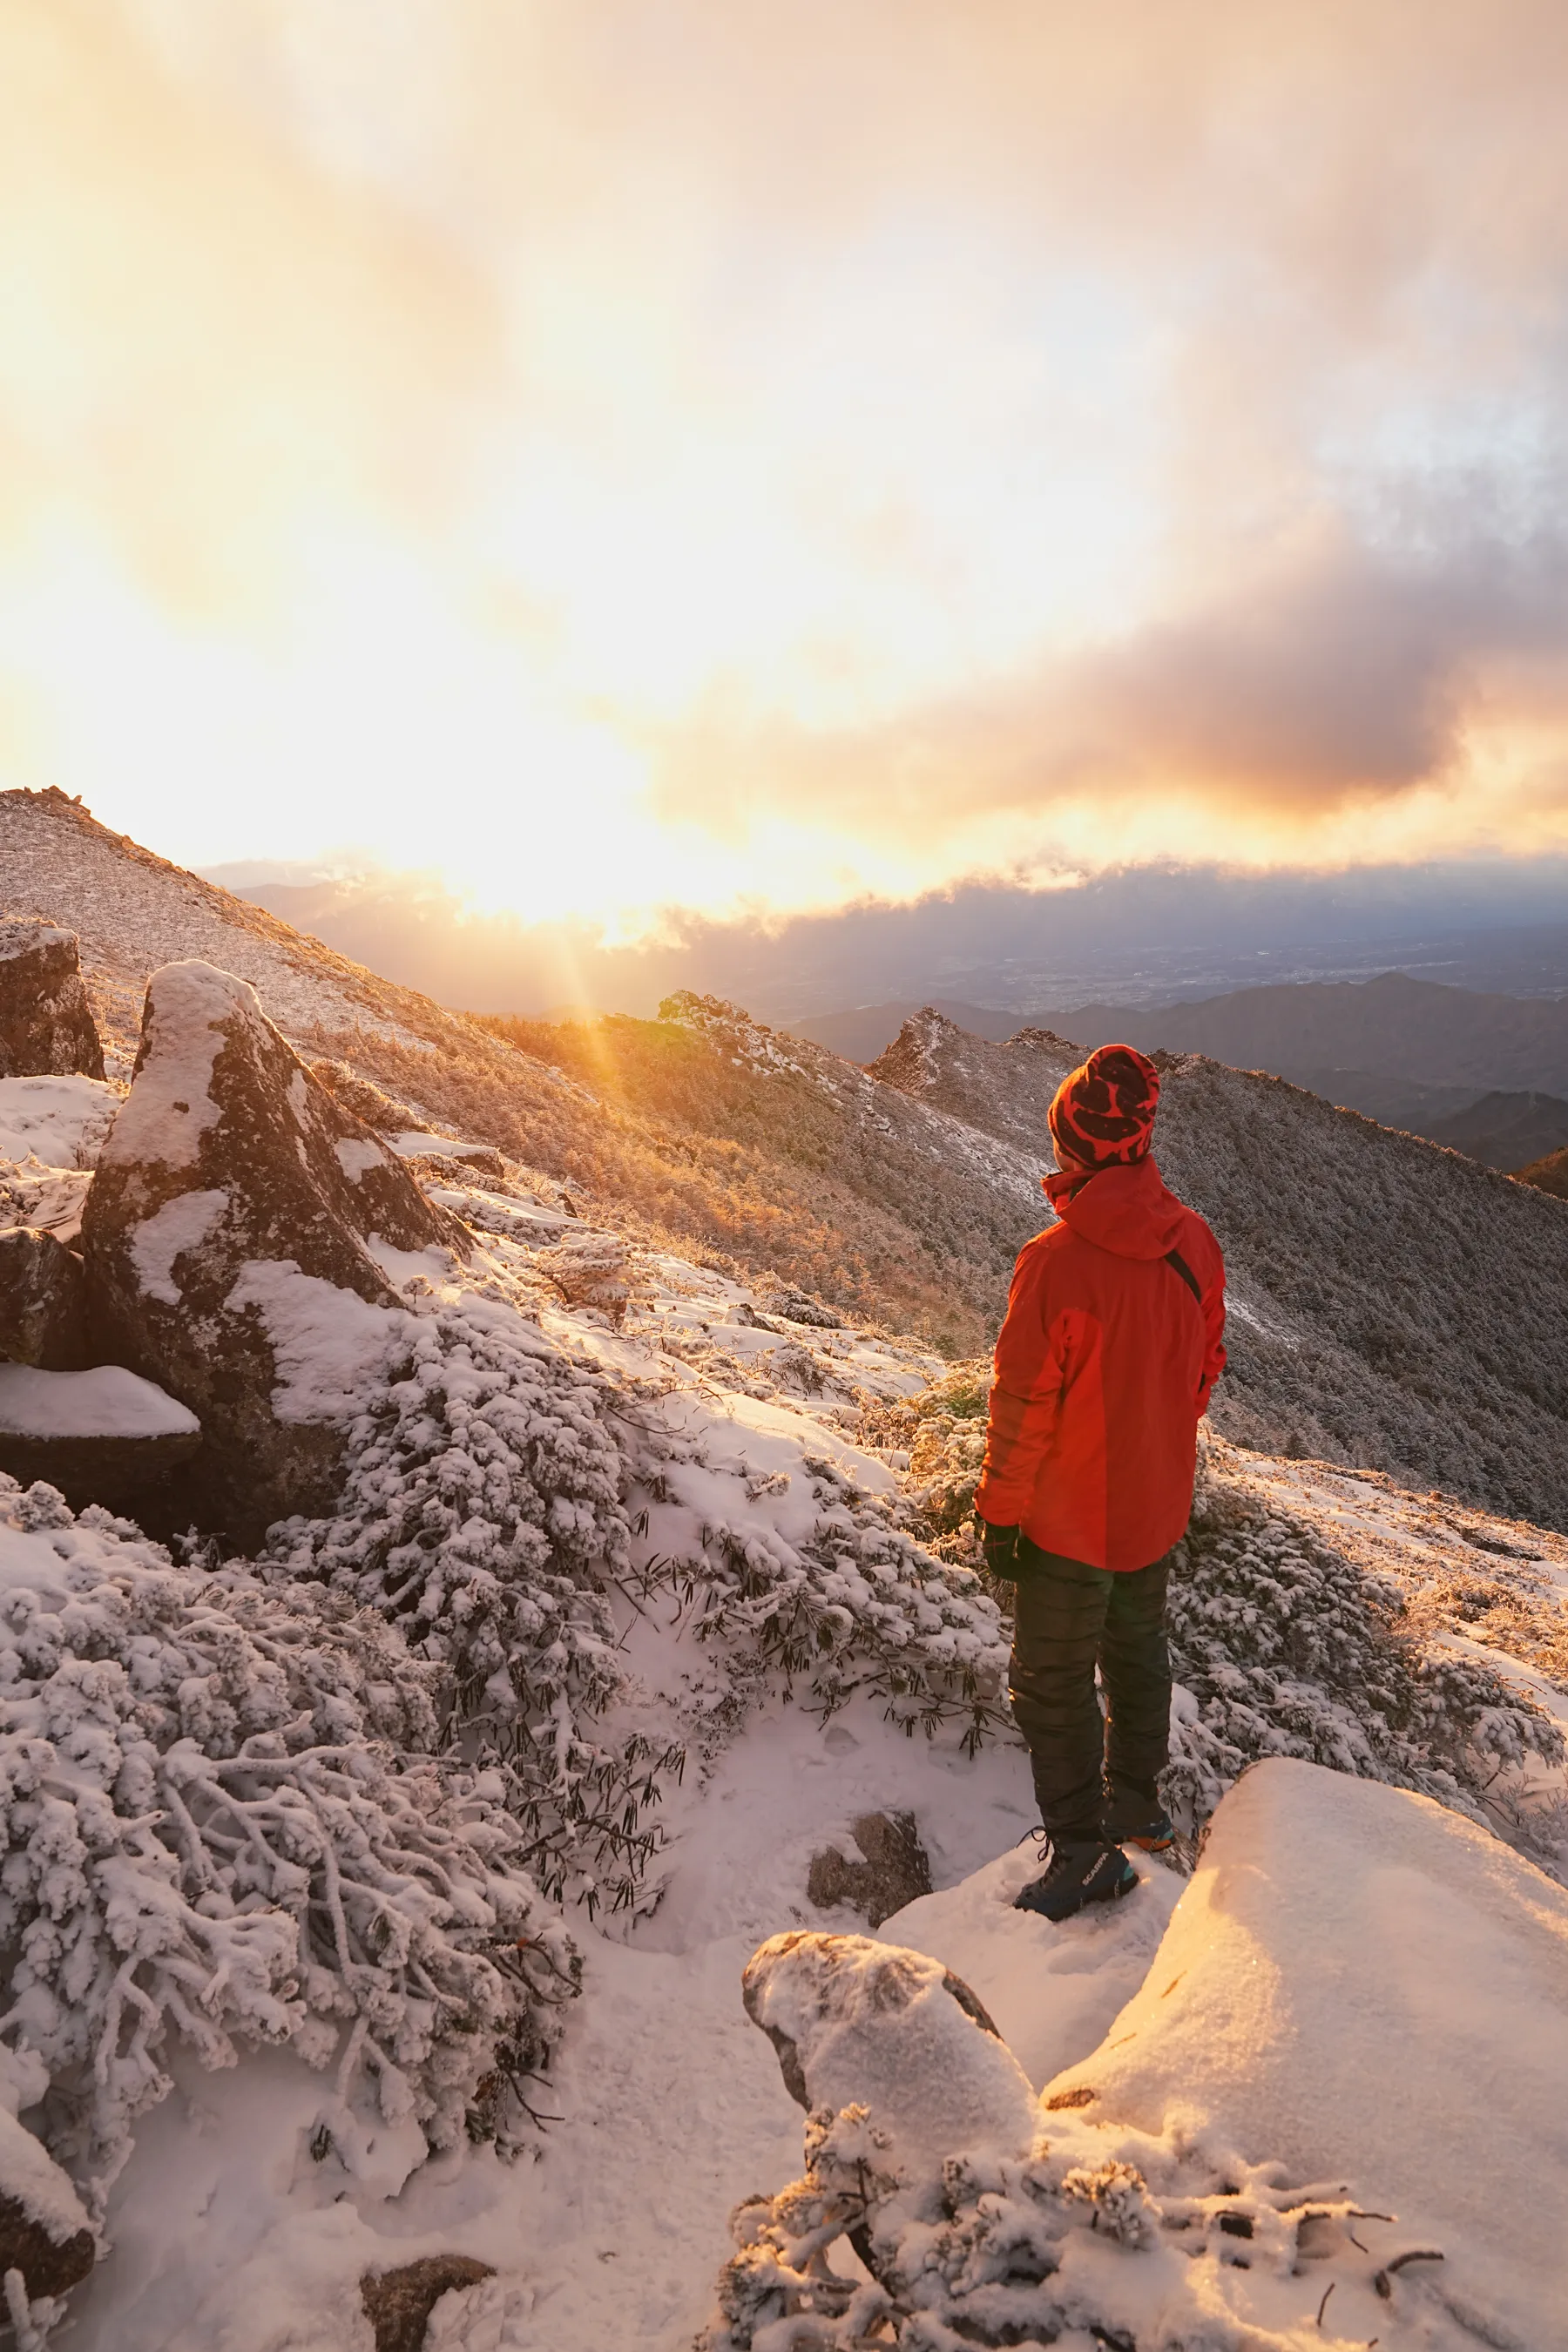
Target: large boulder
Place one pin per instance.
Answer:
(101, 1436)
(244, 1238)
(43, 1302)
(47, 1027)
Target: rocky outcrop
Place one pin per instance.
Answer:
(232, 1237)
(398, 2302)
(43, 1302)
(895, 1870)
(383, 1113)
(46, 1028)
(99, 1436)
(45, 2233)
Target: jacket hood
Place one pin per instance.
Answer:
(1127, 1210)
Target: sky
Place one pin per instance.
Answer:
(624, 455)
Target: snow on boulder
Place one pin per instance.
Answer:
(62, 1121)
(228, 1166)
(418, 1143)
(101, 1436)
(43, 1306)
(45, 2233)
(1362, 1987)
(46, 1023)
(858, 2022)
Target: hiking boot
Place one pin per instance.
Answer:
(1130, 1818)
(1077, 1874)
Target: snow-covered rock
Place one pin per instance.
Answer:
(893, 1869)
(43, 1301)
(1331, 2114)
(1365, 1987)
(234, 1218)
(46, 1023)
(398, 2302)
(46, 2234)
(104, 1436)
(859, 2022)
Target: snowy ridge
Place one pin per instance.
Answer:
(647, 1578)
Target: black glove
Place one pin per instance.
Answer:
(1001, 1548)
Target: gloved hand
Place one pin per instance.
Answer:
(1001, 1548)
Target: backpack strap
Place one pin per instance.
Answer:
(1178, 1264)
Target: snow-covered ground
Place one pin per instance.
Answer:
(773, 1613)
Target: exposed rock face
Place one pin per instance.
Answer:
(381, 1112)
(228, 1239)
(852, 2020)
(43, 1302)
(99, 1436)
(47, 1027)
(398, 2302)
(894, 1871)
(43, 2232)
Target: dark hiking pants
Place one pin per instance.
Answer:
(1070, 1618)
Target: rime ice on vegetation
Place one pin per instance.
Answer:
(209, 1843)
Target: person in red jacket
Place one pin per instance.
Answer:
(1110, 1348)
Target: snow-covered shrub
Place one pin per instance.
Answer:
(943, 1430)
(1292, 1646)
(859, 1605)
(589, 1270)
(1083, 2239)
(481, 1512)
(383, 1113)
(208, 1838)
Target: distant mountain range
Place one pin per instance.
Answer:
(1507, 1131)
(1392, 1305)
(1486, 1073)
(1392, 1027)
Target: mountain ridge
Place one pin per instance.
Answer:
(1393, 1304)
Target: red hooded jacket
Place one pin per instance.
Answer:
(1104, 1367)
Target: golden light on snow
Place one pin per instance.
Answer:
(728, 458)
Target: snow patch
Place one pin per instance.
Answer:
(417, 1142)
(357, 1155)
(181, 1225)
(107, 1402)
(171, 1107)
(328, 1345)
(62, 1121)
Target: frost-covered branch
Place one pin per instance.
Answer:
(208, 1837)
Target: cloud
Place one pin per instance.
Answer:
(1347, 677)
(838, 450)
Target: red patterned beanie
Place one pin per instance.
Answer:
(1102, 1114)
